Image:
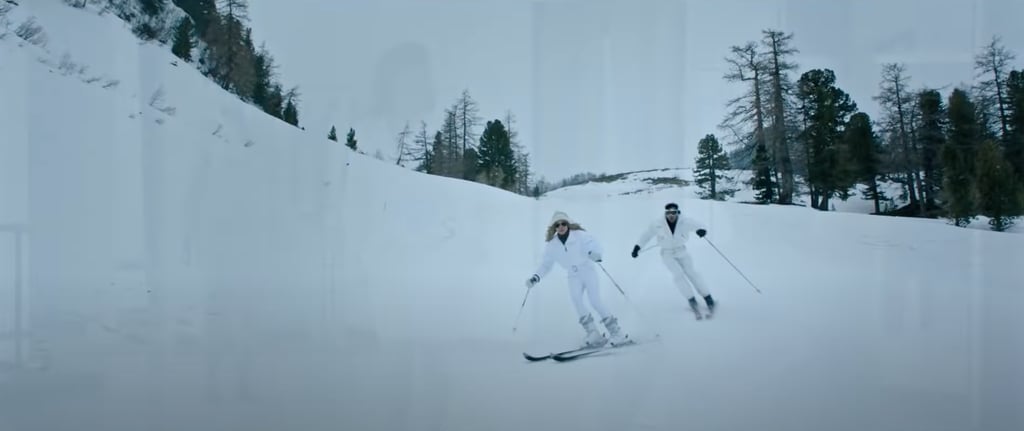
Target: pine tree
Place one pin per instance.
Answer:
(202, 12)
(263, 82)
(291, 109)
(291, 113)
(993, 63)
(469, 164)
(404, 150)
(275, 101)
(450, 159)
(763, 181)
(931, 135)
(523, 174)
(894, 100)
(522, 158)
(825, 109)
(333, 134)
(350, 140)
(424, 154)
(711, 170)
(999, 194)
(183, 42)
(959, 158)
(865, 152)
(513, 133)
(230, 54)
(1014, 145)
(496, 159)
(466, 110)
(152, 8)
(149, 26)
(777, 44)
(437, 164)
(746, 117)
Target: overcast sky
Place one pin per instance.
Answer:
(597, 86)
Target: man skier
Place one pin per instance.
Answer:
(576, 250)
(672, 233)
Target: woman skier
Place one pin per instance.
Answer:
(576, 250)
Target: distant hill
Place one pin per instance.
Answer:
(652, 181)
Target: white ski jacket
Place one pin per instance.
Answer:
(666, 239)
(579, 252)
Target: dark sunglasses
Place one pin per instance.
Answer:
(561, 223)
(671, 212)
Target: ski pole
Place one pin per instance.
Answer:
(516, 325)
(733, 266)
(612, 279)
(635, 308)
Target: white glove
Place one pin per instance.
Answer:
(532, 281)
(594, 256)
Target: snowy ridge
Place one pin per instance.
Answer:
(645, 182)
(679, 182)
(211, 268)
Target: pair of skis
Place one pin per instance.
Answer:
(582, 352)
(699, 315)
(701, 312)
(577, 353)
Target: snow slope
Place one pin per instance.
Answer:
(216, 269)
(681, 182)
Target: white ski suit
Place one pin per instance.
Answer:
(577, 256)
(674, 254)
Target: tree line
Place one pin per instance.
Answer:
(956, 154)
(215, 35)
(459, 149)
(230, 57)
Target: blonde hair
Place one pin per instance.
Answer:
(551, 230)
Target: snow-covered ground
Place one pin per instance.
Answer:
(679, 182)
(213, 268)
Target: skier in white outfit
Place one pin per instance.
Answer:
(672, 233)
(576, 250)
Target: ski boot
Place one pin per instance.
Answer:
(594, 337)
(711, 303)
(696, 309)
(616, 336)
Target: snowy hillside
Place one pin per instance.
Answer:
(678, 180)
(187, 262)
(680, 183)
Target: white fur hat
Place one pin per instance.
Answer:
(558, 215)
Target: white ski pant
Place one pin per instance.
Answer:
(583, 281)
(685, 276)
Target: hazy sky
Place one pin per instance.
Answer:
(598, 86)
